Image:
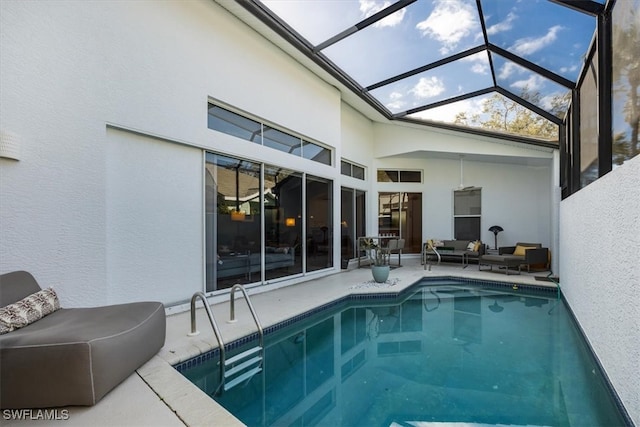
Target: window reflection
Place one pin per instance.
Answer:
(232, 222)
(238, 249)
(319, 223)
(626, 81)
(282, 222)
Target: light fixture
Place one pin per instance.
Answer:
(290, 222)
(495, 229)
(495, 307)
(237, 215)
(9, 145)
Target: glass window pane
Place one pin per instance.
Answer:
(467, 202)
(319, 223)
(388, 176)
(410, 176)
(347, 226)
(626, 77)
(467, 228)
(233, 236)
(589, 125)
(358, 172)
(282, 222)
(233, 124)
(281, 141)
(316, 153)
(345, 168)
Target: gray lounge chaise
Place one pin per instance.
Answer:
(73, 356)
(508, 258)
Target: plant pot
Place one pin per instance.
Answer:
(344, 263)
(380, 273)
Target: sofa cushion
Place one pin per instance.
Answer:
(28, 310)
(521, 250)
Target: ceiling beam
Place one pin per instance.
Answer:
(532, 67)
(446, 101)
(364, 23)
(427, 67)
(589, 7)
(528, 105)
(483, 24)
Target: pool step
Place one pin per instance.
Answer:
(242, 367)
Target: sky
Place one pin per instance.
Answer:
(550, 35)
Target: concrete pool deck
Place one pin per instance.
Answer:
(158, 395)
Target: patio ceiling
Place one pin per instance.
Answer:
(430, 61)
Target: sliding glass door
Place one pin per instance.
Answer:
(352, 221)
(264, 222)
(319, 219)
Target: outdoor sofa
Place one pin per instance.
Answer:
(516, 256)
(70, 356)
(249, 263)
(472, 249)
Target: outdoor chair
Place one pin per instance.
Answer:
(71, 356)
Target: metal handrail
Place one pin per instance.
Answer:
(232, 310)
(426, 255)
(214, 325)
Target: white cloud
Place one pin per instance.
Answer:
(509, 68)
(570, 69)
(395, 101)
(479, 68)
(505, 25)
(533, 83)
(480, 62)
(428, 87)
(450, 22)
(371, 7)
(529, 45)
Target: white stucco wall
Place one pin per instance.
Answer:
(600, 273)
(67, 71)
(516, 181)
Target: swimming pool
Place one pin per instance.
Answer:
(441, 352)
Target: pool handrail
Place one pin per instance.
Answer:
(214, 325)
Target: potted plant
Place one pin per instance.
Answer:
(379, 262)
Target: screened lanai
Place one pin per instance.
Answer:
(518, 69)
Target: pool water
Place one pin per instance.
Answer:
(438, 353)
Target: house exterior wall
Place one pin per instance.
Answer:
(106, 98)
(106, 202)
(600, 273)
(485, 164)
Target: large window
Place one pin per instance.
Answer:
(282, 222)
(235, 124)
(233, 212)
(255, 221)
(391, 175)
(467, 210)
(351, 169)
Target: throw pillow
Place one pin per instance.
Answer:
(476, 245)
(471, 246)
(28, 310)
(520, 250)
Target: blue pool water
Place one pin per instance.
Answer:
(441, 352)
